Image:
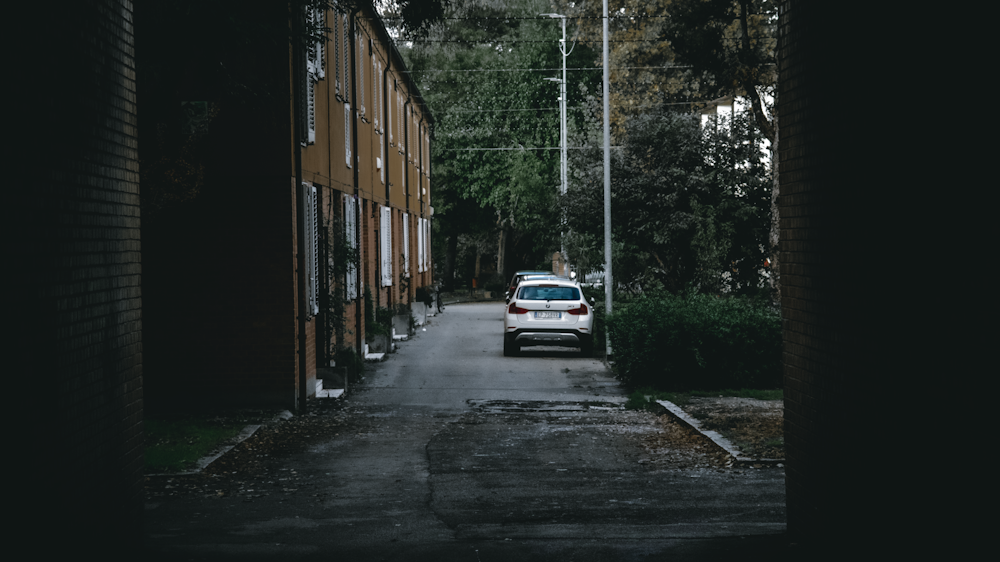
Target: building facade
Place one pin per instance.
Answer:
(316, 211)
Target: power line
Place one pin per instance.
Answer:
(508, 41)
(524, 148)
(542, 69)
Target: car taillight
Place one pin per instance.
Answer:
(514, 309)
(582, 311)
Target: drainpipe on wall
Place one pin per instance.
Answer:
(406, 152)
(297, 75)
(353, 96)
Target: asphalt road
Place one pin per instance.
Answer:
(450, 451)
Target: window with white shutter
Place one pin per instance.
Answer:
(406, 245)
(420, 245)
(361, 76)
(385, 239)
(399, 115)
(351, 236)
(335, 43)
(311, 247)
(378, 159)
(320, 48)
(374, 87)
(347, 133)
(315, 56)
(388, 113)
(427, 244)
(346, 43)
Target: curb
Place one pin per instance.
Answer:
(738, 457)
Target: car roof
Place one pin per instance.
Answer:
(550, 279)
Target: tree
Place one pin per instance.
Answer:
(734, 43)
(690, 205)
(481, 71)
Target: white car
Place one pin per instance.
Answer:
(548, 312)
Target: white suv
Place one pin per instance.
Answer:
(548, 312)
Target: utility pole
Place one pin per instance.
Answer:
(563, 133)
(608, 279)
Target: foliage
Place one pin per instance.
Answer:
(349, 357)
(730, 43)
(694, 341)
(173, 445)
(340, 257)
(478, 72)
(425, 295)
(690, 205)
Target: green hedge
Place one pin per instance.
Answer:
(700, 342)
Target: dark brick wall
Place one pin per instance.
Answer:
(851, 243)
(74, 313)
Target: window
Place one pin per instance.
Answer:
(346, 42)
(406, 245)
(361, 76)
(385, 240)
(374, 87)
(399, 120)
(335, 42)
(351, 236)
(311, 247)
(420, 245)
(549, 293)
(347, 133)
(315, 62)
(378, 159)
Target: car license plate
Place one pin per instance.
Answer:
(548, 315)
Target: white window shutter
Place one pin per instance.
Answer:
(420, 245)
(311, 109)
(351, 236)
(399, 115)
(361, 75)
(347, 133)
(336, 55)
(347, 59)
(311, 248)
(406, 244)
(385, 237)
(427, 244)
(320, 43)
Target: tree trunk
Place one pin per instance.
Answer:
(503, 247)
(449, 262)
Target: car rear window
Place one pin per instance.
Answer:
(549, 293)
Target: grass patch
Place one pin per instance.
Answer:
(176, 445)
(759, 394)
(646, 397)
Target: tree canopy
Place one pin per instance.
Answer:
(482, 70)
(690, 205)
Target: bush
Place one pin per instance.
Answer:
(685, 342)
(425, 295)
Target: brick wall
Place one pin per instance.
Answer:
(846, 235)
(75, 320)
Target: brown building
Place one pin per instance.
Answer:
(252, 285)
